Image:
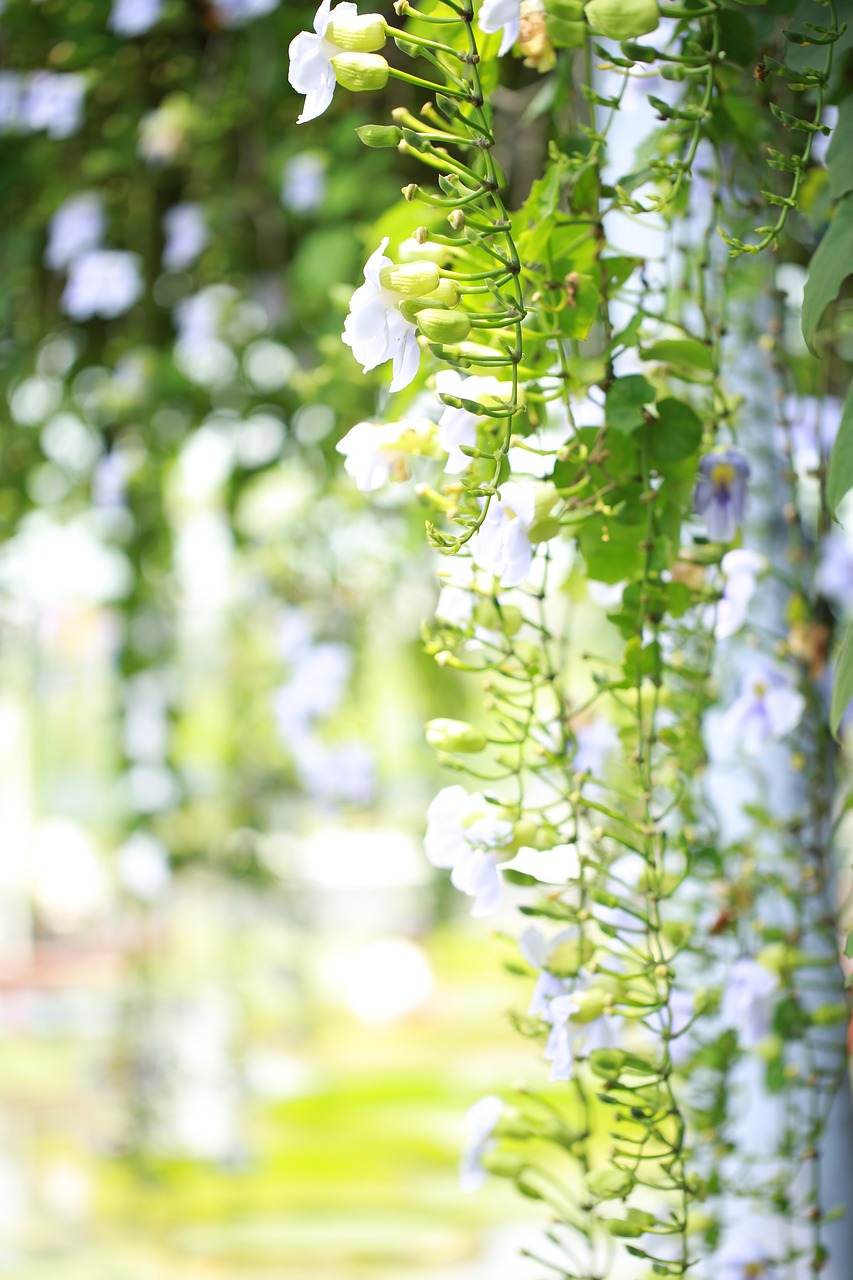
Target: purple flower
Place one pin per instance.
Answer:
(748, 1001)
(720, 494)
(768, 708)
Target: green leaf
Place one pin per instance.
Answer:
(625, 400)
(842, 689)
(839, 156)
(839, 476)
(677, 432)
(831, 265)
(680, 351)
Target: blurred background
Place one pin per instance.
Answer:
(241, 1021)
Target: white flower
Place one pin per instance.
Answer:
(186, 236)
(377, 330)
(742, 569)
(834, 576)
(374, 452)
(455, 605)
(768, 708)
(11, 100)
(459, 426)
(54, 103)
(595, 741)
(504, 16)
(463, 834)
(234, 13)
(103, 282)
(536, 950)
(311, 71)
(77, 226)
(303, 183)
(480, 1122)
(744, 1259)
(748, 1001)
(134, 17)
(501, 545)
(143, 866)
(579, 1014)
(559, 1050)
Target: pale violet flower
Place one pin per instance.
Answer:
(741, 570)
(536, 950)
(311, 71)
(503, 16)
(377, 330)
(480, 1122)
(11, 100)
(834, 576)
(186, 236)
(54, 103)
(748, 1001)
(594, 743)
(102, 282)
(463, 834)
(814, 423)
(720, 493)
(375, 452)
(569, 1022)
(318, 680)
(768, 708)
(134, 17)
(744, 1259)
(455, 605)
(77, 226)
(335, 774)
(502, 544)
(304, 182)
(234, 13)
(458, 426)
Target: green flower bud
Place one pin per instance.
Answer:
(380, 135)
(360, 72)
(361, 33)
(622, 19)
(609, 1183)
(565, 10)
(503, 1164)
(410, 279)
(829, 1015)
(565, 35)
(412, 250)
(443, 326)
(591, 1005)
(455, 735)
(778, 957)
(507, 619)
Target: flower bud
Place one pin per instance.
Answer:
(359, 33)
(565, 35)
(565, 10)
(410, 279)
(455, 735)
(360, 72)
(380, 135)
(591, 1005)
(412, 250)
(443, 326)
(622, 19)
(456, 219)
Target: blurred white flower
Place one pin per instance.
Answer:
(480, 1122)
(455, 605)
(536, 950)
(375, 452)
(333, 774)
(186, 236)
(377, 330)
(580, 1014)
(77, 226)
(594, 743)
(744, 1259)
(834, 576)
(143, 867)
(134, 17)
(463, 834)
(459, 426)
(102, 282)
(501, 545)
(234, 13)
(54, 103)
(304, 182)
(741, 570)
(11, 101)
(769, 708)
(503, 16)
(748, 1001)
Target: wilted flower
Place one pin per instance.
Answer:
(741, 569)
(480, 1122)
(768, 708)
(503, 16)
(375, 452)
(77, 226)
(720, 494)
(463, 834)
(748, 1001)
(744, 1259)
(134, 17)
(311, 71)
(53, 103)
(376, 329)
(502, 543)
(102, 282)
(533, 40)
(186, 236)
(458, 426)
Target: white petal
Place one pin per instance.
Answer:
(784, 707)
(309, 63)
(323, 15)
(518, 555)
(317, 101)
(407, 356)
